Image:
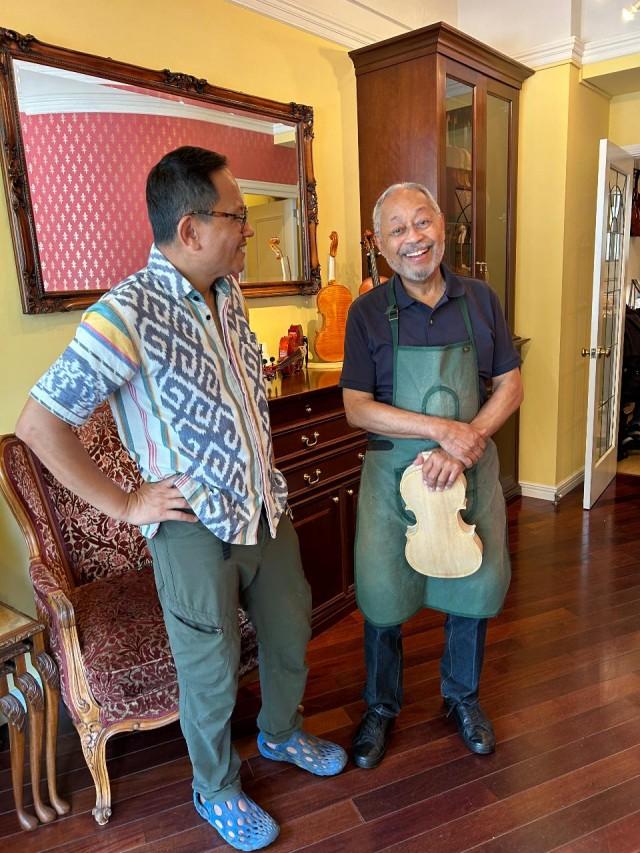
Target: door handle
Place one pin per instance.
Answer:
(598, 352)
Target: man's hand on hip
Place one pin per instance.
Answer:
(161, 501)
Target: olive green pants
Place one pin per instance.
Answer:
(200, 592)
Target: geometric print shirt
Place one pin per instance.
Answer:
(185, 399)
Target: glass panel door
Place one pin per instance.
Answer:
(458, 197)
(497, 196)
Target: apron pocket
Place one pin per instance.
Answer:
(442, 402)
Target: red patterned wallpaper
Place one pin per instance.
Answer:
(87, 175)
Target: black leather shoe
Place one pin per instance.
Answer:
(370, 741)
(473, 725)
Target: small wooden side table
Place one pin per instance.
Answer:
(20, 635)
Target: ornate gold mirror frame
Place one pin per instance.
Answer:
(54, 279)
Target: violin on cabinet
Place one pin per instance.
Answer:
(333, 303)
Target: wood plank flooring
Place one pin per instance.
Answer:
(561, 682)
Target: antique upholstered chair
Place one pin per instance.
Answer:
(94, 589)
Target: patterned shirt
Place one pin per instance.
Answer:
(186, 400)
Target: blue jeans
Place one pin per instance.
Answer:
(460, 664)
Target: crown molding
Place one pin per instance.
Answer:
(611, 47)
(633, 151)
(268, 188)
(564, 50)
(319, 23)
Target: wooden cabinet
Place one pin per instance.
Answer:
(438, 107)
(321, 457)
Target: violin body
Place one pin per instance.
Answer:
(333, 303)
(368, 284)
(440, 544)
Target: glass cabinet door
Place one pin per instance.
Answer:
(458, 201)
(496, 205)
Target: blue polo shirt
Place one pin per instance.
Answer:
(368, 347)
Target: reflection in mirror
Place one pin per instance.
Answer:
(86, 143)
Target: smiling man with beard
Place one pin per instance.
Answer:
(171, 349)
(420, 352)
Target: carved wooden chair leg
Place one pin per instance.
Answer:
(49, 673)
(15, 714)
(32, 693)
(94, 747)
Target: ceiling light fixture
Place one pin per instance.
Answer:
(629, 12)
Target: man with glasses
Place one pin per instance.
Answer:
(419, 353)
(171, 349)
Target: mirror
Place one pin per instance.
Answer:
(80, 134)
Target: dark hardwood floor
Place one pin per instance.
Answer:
(561, 682)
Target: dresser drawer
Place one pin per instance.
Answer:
(312, 437)
(324, 468)
(303, 408)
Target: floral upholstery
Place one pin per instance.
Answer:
(97, 545)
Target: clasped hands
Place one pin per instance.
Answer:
(461, 446)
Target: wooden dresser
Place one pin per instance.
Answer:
(321, 457)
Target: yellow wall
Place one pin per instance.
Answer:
(624, 119)
(588, 123)
(544, 129)
(230, 47)
(562, 121)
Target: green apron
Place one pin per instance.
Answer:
(442, 381)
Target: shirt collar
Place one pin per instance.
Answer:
(172, 279)
(453, 287)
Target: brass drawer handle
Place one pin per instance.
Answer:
(310, 480)
(361, 456)
(310, 442)
(335, 499)
(308, 409)
(350, 492)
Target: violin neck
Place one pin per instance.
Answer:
(331, 271)
(373, 267)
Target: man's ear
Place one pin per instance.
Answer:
(187, 233)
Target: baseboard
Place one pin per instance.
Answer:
(552, 493)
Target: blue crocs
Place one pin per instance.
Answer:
(320, 757)
(240, 821)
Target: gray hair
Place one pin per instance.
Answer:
(405, 185)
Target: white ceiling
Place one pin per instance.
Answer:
(537, 33)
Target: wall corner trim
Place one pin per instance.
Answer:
(552, 493)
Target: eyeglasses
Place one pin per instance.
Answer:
(239, 217)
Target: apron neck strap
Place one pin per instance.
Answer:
(392, 312)
(464, 308)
